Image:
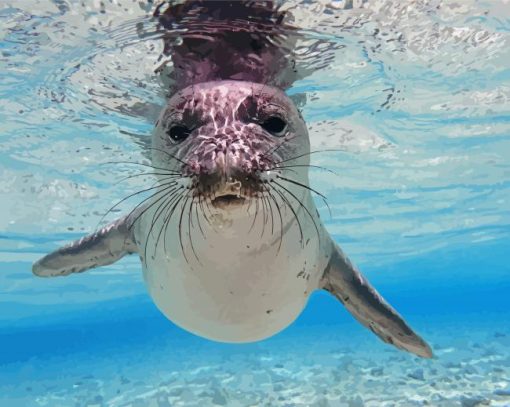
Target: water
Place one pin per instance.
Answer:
(417, 97)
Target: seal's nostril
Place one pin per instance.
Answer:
(233, 187)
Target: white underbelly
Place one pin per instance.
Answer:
(234, 286)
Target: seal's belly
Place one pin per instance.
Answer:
(238, 290)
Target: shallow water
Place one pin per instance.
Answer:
(416, 96)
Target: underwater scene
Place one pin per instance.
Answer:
(378, 127)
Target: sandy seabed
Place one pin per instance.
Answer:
(308, 366)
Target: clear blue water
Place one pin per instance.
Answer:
(418, 98)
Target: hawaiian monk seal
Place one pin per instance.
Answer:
(230, 242)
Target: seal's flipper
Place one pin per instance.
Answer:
(361, 299)
(103, 247)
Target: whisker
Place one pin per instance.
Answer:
(270, 206)
(286, 169)
(305, 165)
(249, 206)
(287, 202)
(169, 155)
(274, 149)
(207, 199)
(171, 201)
(264, 218)
(156, 215)
(271, 212)
(279, 214)
(256, 213)
(324, 199)
(167, 176)
(134, 194)
(143, 165)
(153, 222)
(133, 211)
(304, 207)
(170, 214)
(301, 185)
(203, 210)
(180, 228)
(191, 205)
(190, 214)
(210, 213)
(310, 153)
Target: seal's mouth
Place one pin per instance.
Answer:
(227, 201)
(231, 193)
(228, 195)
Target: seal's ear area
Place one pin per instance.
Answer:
(348, 285)
(103, 247)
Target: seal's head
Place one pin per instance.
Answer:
(229, 138)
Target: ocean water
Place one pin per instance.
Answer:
(416, 95)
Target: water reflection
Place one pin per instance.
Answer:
(411, 91)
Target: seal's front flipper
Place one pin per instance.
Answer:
(347, 284)
(103, 247)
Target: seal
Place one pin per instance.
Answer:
(230, 241)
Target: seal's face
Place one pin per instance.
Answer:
(228, 139)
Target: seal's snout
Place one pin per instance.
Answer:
(228, 191)
(227, 169)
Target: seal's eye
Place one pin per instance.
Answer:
(274, 125)
(178, 132)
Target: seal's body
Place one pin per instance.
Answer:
(230, 241)
(245, 270)
(240, 287)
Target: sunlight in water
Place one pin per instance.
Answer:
(408, 104)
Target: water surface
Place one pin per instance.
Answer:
(417, 97)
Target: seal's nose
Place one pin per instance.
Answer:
(228, 182)
(221, 162)
(227, 161)
(228, 168)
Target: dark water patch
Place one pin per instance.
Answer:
(95, 328)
